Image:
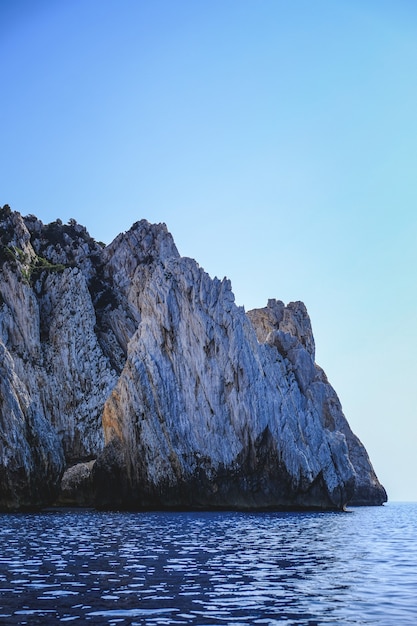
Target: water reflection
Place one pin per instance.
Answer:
(206, 568)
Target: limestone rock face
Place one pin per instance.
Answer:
(216, 418)
(289, 330)
(131, 370)
(30, 452)
(55, 375)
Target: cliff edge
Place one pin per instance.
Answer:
(130, 376)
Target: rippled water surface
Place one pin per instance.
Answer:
(210, 568)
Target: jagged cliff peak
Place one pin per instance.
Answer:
(131, 370)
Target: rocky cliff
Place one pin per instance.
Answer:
(128, 373)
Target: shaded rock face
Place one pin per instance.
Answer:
(134, 356)
(30, 452)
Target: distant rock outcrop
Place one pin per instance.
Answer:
(131, 370)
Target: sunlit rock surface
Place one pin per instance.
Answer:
(134, 356)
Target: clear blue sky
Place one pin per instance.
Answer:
(277, 140)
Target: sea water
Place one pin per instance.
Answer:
(88, 567)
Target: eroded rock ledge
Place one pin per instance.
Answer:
(133, 374)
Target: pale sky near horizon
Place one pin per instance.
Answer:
(276, 139)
